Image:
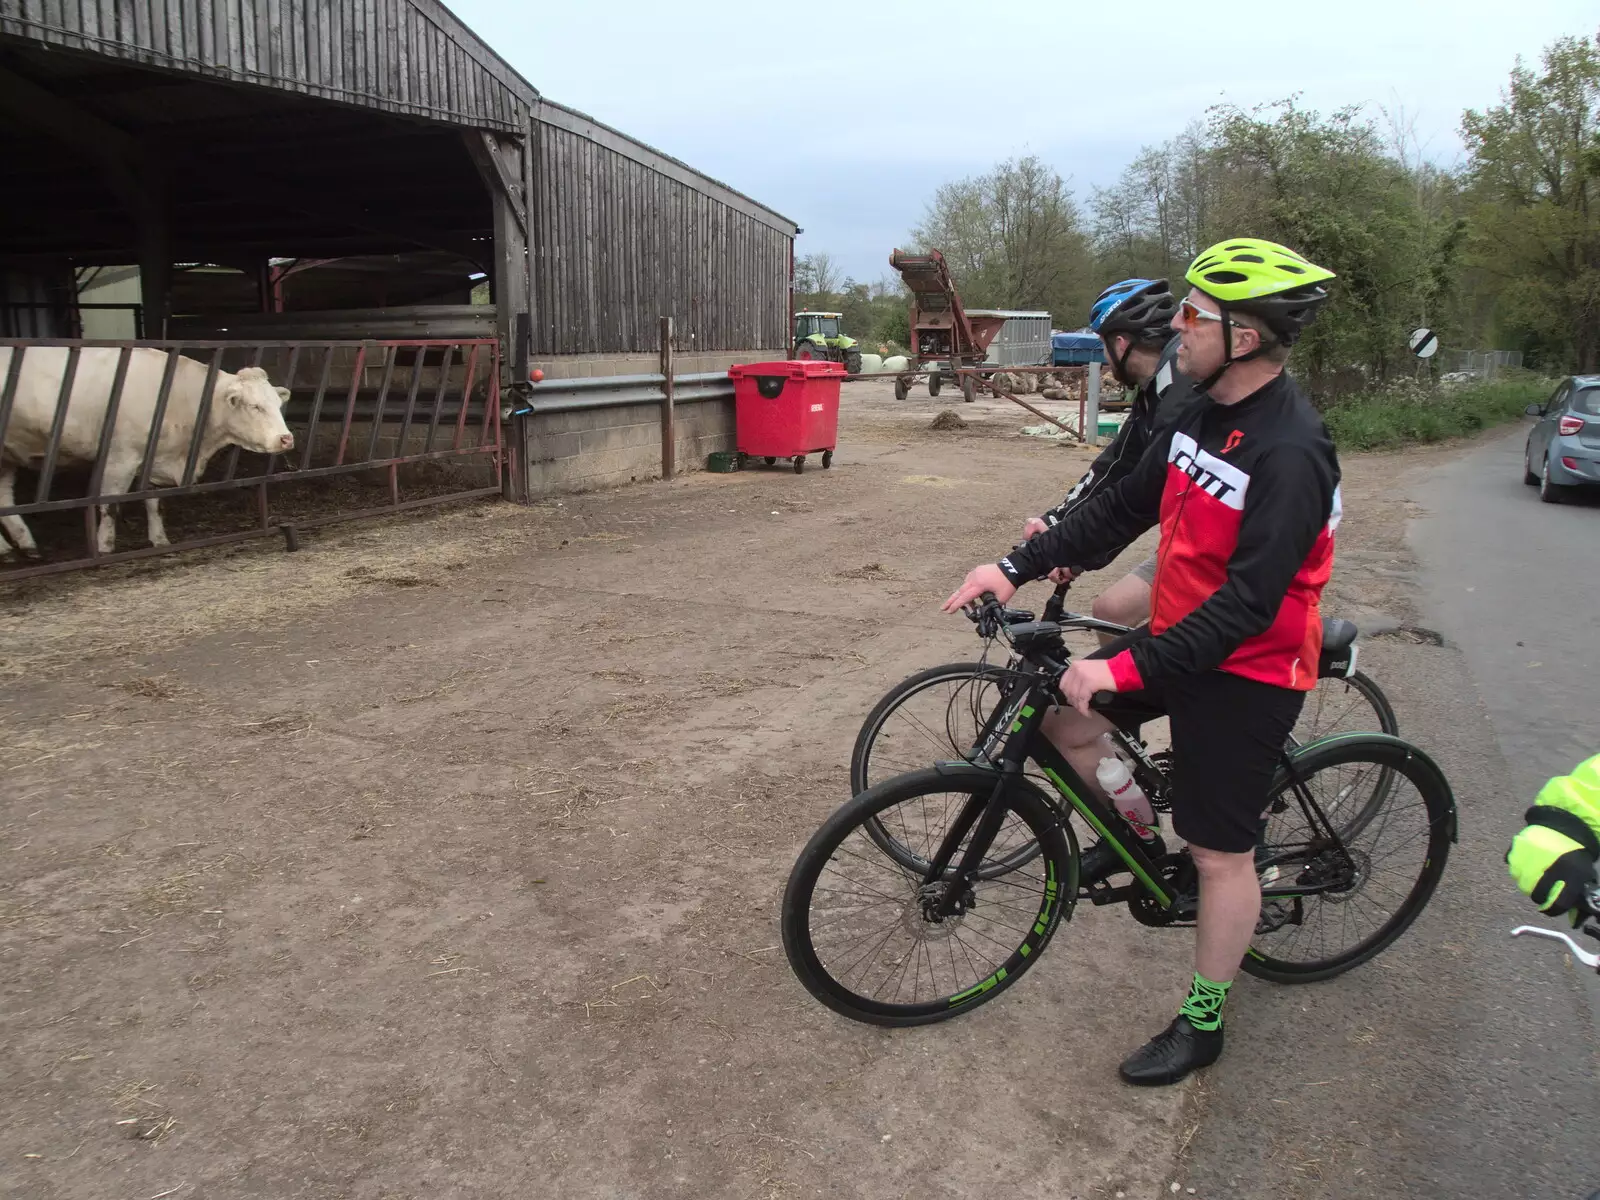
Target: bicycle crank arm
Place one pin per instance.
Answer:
(1592, 961)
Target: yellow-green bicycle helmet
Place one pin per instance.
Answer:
(1264, 279)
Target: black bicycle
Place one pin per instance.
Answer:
(982, 864)
(939, 711)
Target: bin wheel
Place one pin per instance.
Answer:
(900, 389)
(799, 463)
(935, 382)
(827, 459)
(741, 461)
(770, 459)
(969, 388)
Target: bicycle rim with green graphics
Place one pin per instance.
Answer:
(861, 931)
(1328, 908)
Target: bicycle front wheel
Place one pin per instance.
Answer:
(1330, 904)
(941, 714)
(929, 717)
(863, 933)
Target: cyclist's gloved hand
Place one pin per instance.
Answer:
(1552, 859)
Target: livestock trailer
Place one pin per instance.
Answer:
(1023, 341)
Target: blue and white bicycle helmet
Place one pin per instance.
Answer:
(1141, 308)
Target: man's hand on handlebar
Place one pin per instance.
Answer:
(1083, 679)
(1033, 527)
(987, 578)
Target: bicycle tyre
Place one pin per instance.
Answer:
(1405, 762)
(1057, 875)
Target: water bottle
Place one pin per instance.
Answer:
(1127, 797)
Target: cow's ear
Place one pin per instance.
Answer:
(232, 394)
(283, 396)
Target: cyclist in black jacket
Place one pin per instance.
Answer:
(1134, 321)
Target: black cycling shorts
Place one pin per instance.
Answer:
(1228, 735)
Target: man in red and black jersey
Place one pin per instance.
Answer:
(1244, 483)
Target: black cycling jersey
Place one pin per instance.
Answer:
(1155, 403)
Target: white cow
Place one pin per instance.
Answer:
(246, 410)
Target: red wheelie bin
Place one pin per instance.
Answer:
(786, 410)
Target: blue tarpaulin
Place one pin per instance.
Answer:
(1075, 349)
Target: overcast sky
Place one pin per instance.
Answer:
(846, 117)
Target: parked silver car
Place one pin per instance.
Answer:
(1564, 446)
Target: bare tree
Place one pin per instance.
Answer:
(818, 277)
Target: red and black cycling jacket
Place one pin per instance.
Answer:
(1248, 500)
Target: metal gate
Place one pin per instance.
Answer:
(354, 408)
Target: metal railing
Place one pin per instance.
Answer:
(353, 407)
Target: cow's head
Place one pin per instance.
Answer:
(252, 412)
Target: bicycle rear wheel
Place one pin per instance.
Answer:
(859, 927)
(1353, 704)
(1345, 704)
(1331, 904)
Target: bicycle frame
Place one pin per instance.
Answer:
(1024, 706)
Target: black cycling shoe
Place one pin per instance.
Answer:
(1171, 1055)
(1101, 860)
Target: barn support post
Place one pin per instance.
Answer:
(669, 432)
(499, 163)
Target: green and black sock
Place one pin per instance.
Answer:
(1203, 1008)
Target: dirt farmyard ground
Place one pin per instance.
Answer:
(444, 857)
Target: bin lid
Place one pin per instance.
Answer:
(800, 368)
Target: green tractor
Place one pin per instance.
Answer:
(816, 335)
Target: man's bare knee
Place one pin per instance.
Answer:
(1210, 863)
(1126, 602)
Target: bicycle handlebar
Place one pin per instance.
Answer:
(1589, 905)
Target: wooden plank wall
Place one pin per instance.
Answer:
(619, 243)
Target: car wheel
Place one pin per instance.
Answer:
(1528, 477)
(1550, 493)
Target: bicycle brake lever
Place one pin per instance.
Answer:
(1592, 961)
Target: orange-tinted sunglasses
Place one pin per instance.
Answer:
(1191, 311)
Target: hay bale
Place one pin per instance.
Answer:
(896, 363)
(948, 420)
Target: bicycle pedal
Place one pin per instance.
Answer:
(1275, 914)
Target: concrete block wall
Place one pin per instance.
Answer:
(605, 447)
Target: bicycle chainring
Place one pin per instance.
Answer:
(1161, 800)
(1177, 876)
